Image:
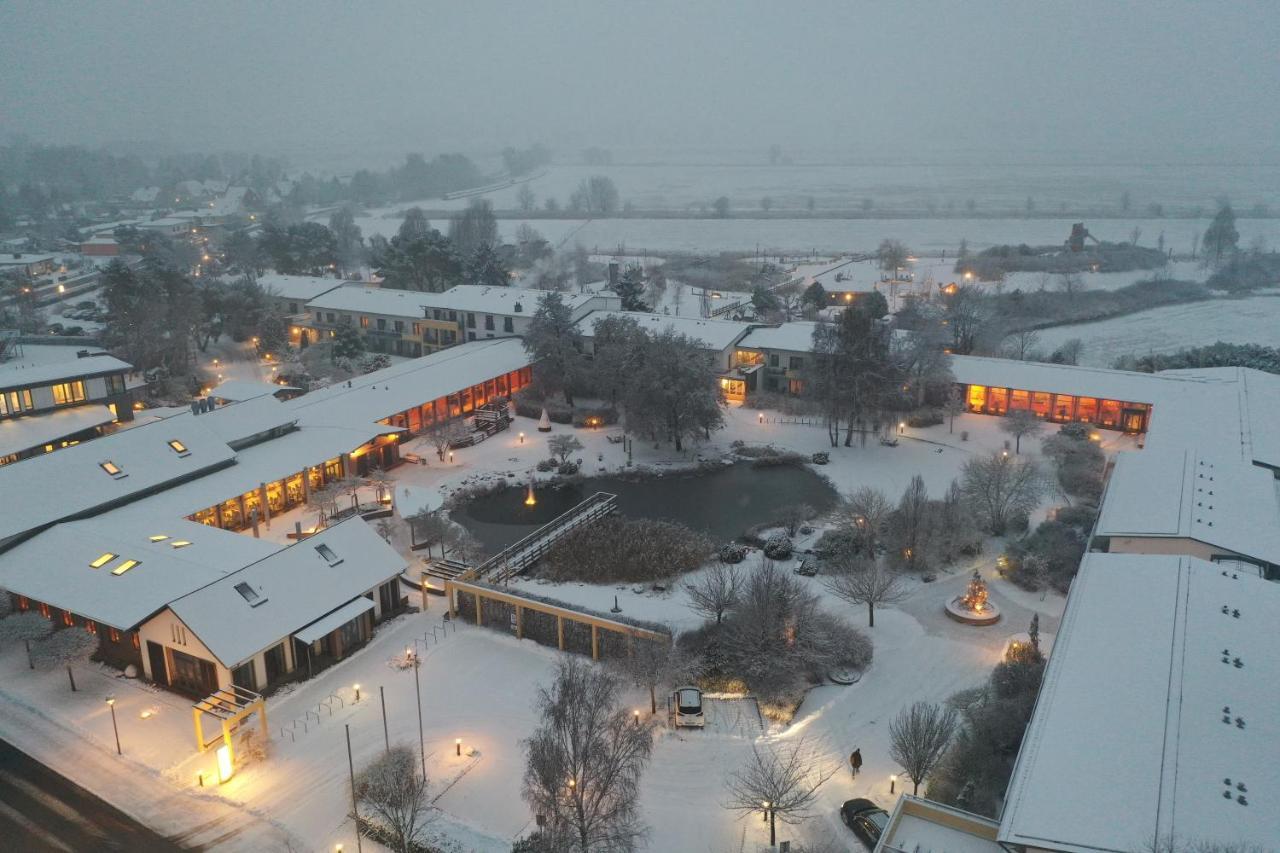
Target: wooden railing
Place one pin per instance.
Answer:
(520, 555)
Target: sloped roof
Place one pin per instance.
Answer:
(294, 587)
(239, 390)
(299, 287)
(72, 482)
(56, 364)
(19, 434)
(54, 566)
(714, 334)
(371, 300)
(1128, 741)
(796, 336)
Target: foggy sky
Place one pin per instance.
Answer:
(365, 83)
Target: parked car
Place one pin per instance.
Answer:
(866, 819)
(687, 702)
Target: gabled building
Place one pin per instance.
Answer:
(774, 358)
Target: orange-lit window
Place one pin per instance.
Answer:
(1019, 400)
(178, 447)
(91, 626)
(1040, 403)
(1064, 407)
(1087, 409)
(68, 619)
(998, 400)
(113, 635)
(1109, 413)
(977, 398)
(134, 638)
(23, 603)
(44, 610)
(110, 467)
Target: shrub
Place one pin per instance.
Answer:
(778, 547)
(822, 457)
(964, 435)
(545, 465)
(756, 451)
(1080, 516)
(1075, 430)
(626, 550)
(732, 552)
(927, 418)
(780, 459)
(567, 468)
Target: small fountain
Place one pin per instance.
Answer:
(529, 499)
(973, 608)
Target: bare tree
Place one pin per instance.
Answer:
(25, 627)
(584, 763)
(795, 515)
(653, 664)
(443, 433)
(1069, 352)
(999, 487)
(859, 580)
(67, 648)
(563, 446)
(780, 779)
(912, 526)
(1021, 345)
(386, 527)
(918, 737)
(392, 788)
(1021, 423)
(953, 406)
(1070, 283)
(869, 508)
(324, 501)
(715, 592)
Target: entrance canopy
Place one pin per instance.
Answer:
(334, 620)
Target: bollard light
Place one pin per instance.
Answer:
(357, 692)
(522, 438)
(457, 746)
(893, 783)
(637, 715)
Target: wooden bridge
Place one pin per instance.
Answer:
(519, 556)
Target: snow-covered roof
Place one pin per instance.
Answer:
(19, 434)
(1227, 503)
(145, 194)
(1135, 732)
(263, 463)
(298, 287)
(236, 422)
(917, 824)
(499, 300)
(371, 300)
(1125, 385)
(290, 589)
(714, 334)
(796, 336)
(106, 471)
(56, 566)
(403, 386)
(239, 390)
(25, 259)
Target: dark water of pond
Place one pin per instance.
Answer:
(722, 503)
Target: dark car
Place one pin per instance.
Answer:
(866, 819)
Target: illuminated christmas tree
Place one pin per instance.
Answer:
(975, 595)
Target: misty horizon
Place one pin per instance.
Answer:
(334, 88)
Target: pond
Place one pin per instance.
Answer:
(722, 503)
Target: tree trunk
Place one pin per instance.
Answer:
(653, 699)
(30, 662)
(915, 788)
(71, 678)
(773, 835)
(871, 614)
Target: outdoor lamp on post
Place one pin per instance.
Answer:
(902, 425)
(357, 692)
(111, 703)
(457, 746)
(893, 783)
(417, 694)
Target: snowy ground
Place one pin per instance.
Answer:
(1252, 320)
(480, 686)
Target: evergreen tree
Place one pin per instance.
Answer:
(815, 295)
(552, 344)
(347, 236)
(631, 289)
(487, 268)
(428, 263)
(347, 343)
(1221, 237)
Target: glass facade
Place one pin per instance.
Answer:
(1060, 408)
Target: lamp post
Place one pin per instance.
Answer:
(386, 735)
(769, 816)
(357, 693)
(457, 746)
(111, 703)
(355, 808)
(417, 694)
(893, 783)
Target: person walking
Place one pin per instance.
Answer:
(855, 762)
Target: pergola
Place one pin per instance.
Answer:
(230, 705)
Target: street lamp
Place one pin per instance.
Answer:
(893, 783)
(357, 692)
(769, 816)
(457, 746)
(417, 694)
(111, 703)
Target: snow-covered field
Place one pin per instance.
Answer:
(480, 686)
(1252, 320)
(925, 236)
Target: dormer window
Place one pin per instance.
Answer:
(178, 447)
(112, 468)
(125, 566)
(102, 560)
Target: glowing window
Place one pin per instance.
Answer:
(111, 468)
(159, 537)
(124, 567)
(178, 447)
(102, 561)
(180, 543)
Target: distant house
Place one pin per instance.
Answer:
(100, 247)
(774, 358)
(28, 264)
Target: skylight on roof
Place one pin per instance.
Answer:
(111, 468)
(180, 543)
(102, 560)
(125, 566)
(328, 553)
(178, 447)
(159, 537)
(249, 594)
